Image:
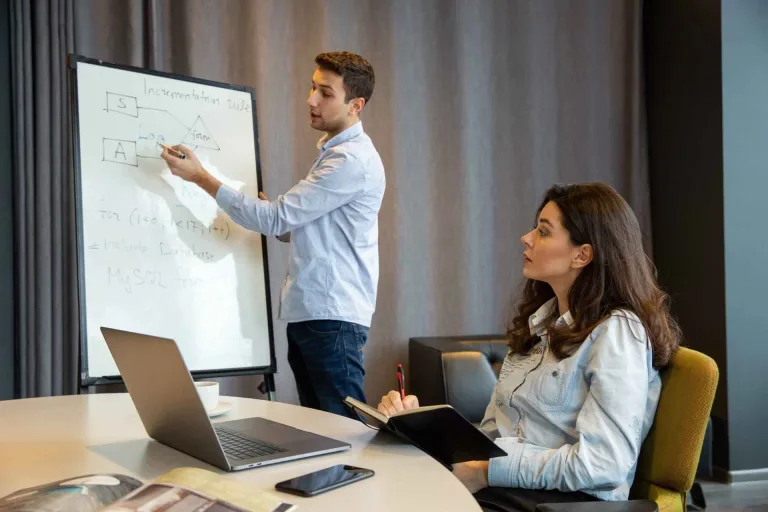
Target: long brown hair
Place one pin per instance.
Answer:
(620, 276)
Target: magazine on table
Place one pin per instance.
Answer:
(181, 489)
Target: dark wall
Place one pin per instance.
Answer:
(7, 338)
(707, 106)
(745, 162)
(685, 156)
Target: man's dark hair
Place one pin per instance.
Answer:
(356, 73)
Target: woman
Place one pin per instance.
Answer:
(578, 390)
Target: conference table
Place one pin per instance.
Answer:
(48, 439)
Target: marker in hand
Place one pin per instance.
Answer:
(401, 381)
(174, 152)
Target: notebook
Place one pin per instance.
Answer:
(438, 430)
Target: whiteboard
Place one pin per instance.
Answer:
(157, 255)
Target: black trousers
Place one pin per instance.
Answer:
(503, 499)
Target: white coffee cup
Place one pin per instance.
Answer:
(209, 394)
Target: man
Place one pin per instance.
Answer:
(331, 220)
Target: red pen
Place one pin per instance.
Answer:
(401, 381)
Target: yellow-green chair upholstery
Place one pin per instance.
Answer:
(670, 455)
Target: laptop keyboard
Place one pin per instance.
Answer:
(239, 447)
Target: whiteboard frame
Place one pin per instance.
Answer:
(85, 380)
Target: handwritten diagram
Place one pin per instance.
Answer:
(155, 125)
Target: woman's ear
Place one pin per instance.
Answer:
(583, 257)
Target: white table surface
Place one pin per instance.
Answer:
(48, 439)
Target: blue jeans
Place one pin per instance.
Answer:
(326, 357)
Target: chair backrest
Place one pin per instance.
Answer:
(469, 381)
(471, 374)
(670, 455)
(457, 370)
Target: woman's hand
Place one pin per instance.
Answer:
(473, 474)
(391, 403)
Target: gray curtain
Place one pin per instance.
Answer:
(42, 33)
(479, 107)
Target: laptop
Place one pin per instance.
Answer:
(166, 399)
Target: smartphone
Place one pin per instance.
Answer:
(324, 480)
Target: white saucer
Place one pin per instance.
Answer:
(220, 409)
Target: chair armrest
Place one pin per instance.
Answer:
(600, 506)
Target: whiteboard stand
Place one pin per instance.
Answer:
(268, 386)
(157, 255)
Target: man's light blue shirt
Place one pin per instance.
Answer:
(332, 215)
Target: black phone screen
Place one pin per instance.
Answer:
(323, 480)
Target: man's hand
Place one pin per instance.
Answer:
(391, 403)
(285, 237)
(190, 169)
(473, 474)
